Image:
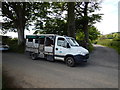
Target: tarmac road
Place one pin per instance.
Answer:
(101, 71)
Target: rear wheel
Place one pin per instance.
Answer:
(34, 56)
(70, 61)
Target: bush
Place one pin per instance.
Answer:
(13, 44)
(82, 43)
(94, 42)
(116, 39)
(91, 48)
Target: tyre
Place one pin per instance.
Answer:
(34, 56)
(70, 61)
(85, 61)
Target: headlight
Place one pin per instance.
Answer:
(82, 54)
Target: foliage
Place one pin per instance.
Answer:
(111, 36)
(80, 35)
(11, 11)
(110, 43)
(16, 16)
(111, 40)
(91, 17)
(91, 48)
(13, 45)
(82, 43)
(40, 14)
(19, 15)
(85, 17)
(54, 22)
(53, 26)
(93, 34)
(48, 18)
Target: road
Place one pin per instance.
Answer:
(101, 71)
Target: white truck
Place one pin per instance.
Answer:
(55, 47)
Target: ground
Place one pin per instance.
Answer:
(101, 71)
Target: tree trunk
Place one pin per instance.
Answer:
(85, 25)
(71, 19)
(86, 33)
(20, 35)
(20, 26)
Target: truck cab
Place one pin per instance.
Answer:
(56, 47)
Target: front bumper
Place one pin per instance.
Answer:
(81, 58)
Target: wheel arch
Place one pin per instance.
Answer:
(68, 55)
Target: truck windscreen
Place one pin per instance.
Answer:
(72, 42)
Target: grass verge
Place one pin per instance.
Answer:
(110, 43)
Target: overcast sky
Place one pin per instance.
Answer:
(110, 18)
(109, 22)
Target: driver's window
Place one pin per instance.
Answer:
(61, 42)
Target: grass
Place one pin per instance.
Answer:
(112, 43)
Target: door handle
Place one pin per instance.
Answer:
(56, 48)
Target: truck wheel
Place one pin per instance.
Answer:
(34, 56)
(70, 61)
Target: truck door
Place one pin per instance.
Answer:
(61, 48)
(49, 44)
(41, 43)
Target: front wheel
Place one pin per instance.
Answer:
(70, 61)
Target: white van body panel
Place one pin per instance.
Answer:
(48, 49)
(79, 50)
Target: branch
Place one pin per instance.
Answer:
(7, 12)
(79, 12)
(15, 8)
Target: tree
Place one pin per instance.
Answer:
(93, 33)
(85, 24)
(18, 14)
(71, 19)
(54, 22)
(41, 14)
(83, 18)
(84, 15)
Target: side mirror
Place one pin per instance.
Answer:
(68, 46)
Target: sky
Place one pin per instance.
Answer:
(109, 21)
(108, 24)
